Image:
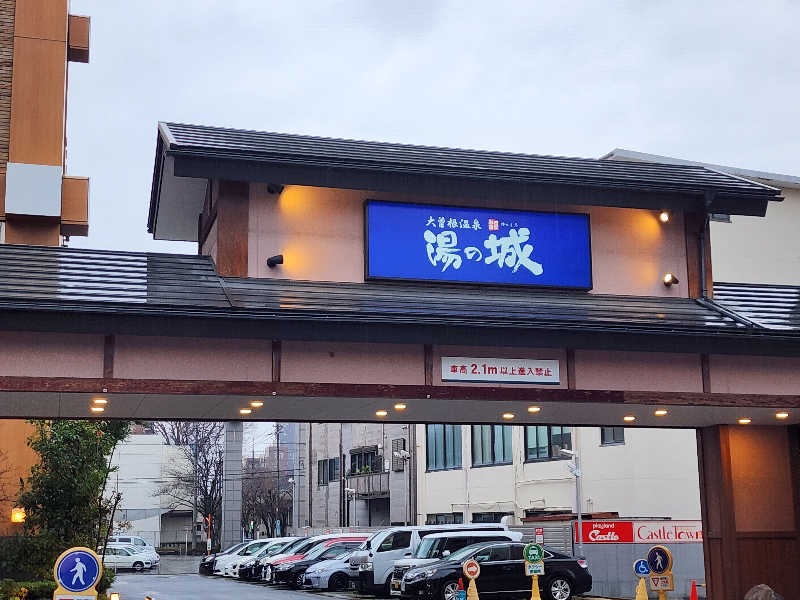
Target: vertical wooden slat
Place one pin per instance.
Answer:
(570, 368)
(705, 373)
(691, 224)
(276, 360)
(108, 357)
(233, 215)
(428, 364)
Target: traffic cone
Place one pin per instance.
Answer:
(641, 590)
(693, 593)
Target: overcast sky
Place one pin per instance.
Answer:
(704, 81)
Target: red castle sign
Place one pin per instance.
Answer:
(641, 532)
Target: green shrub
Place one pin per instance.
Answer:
(106, 580)
(28, 558)
(36, 590)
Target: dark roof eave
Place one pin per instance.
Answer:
(208, 322)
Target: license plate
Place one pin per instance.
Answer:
(395, 591)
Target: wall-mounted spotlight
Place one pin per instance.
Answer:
(670, 279)
(274, 261)
(274, 188)
(663, 216)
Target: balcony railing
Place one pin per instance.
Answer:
(369, 485)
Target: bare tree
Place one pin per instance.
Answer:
(263, 498)
(196, 482)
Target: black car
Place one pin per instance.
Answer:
(502, 574)
(207, 563)
(294, 572)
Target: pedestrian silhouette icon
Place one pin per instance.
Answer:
(79, 569)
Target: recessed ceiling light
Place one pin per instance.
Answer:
(400, 406)
(745, 421)
(782, 415)
(96, 409)
(245, 411)
(508, 416)
(534, 409)
(629, 418)
(100, 401)
(256, 403)
(661, 412)
(381, 413)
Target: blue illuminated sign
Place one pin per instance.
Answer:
(478, 245)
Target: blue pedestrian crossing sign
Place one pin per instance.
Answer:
(641, 568)
(77, 570)
(659, 559)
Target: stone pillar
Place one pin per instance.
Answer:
(232, 486)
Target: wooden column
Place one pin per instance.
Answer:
(694, 223)
(750, 501)
(232, 202)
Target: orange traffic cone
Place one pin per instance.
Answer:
(693, 593)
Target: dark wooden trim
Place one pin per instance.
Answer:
(570, 368)
(364, 390)
(233, 215)
(767, 535)
(707, 562)
(707, 258)
(705, 373)
(109, 344)
(276, 360)
(692, 222)
(428, 349)
(794, 464)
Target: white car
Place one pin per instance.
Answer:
(274, 544)
(334, 574)
(222, 566)
(124, 558)
(147, 552)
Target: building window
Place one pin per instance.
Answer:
(612, 435)
(491, 445)
(455, 518)
(543, 442)
(327, 470)
(443, 449)
(489, 517)
(365, 462)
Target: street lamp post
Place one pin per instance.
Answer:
(575, 469)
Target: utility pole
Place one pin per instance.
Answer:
(194, 504)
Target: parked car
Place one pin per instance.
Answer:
(251, 569)
(376, 558)
(147, 552)
(293, 571)
(502, 574)
(334, 574)
(248, 549)
(274, 545)
(124, 558)
(207, 563)
(130, 540)
(299, 550)
(437, 546)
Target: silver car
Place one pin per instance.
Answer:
(334, 574)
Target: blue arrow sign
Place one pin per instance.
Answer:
(640, 568)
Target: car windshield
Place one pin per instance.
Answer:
(235, 548)
(291, 548)
(275, 549)
(305, 547)
(368, 542)
(464, 552)
(429, 547)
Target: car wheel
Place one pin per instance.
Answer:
(137, 566)
(298, 580)
(337, 582)
(450, 590)
(558, 588)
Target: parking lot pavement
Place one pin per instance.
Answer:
(135, 586)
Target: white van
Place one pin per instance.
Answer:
(129, 540)
(375, 559)
(437, 546)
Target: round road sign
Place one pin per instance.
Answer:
(640, 568)
(659, 559)
(533, 553)
(471, 568)
(78, 570)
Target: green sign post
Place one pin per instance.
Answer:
(534, 566)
